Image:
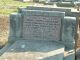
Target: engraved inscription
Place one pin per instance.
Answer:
(41, 28)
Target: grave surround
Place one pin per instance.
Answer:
(32, 49)
(41, 31)
(72, 23)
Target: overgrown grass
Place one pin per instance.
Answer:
(9, 6)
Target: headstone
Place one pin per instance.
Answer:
(67, 11)
(72, 19)
(40, 36)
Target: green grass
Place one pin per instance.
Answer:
(9, 6)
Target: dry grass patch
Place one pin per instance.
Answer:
(4, 29)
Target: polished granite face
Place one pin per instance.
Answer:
(36, 50)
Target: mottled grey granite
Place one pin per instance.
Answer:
(68, 37)
(66, 10)
(15, 26)
(41, 30)
(69, 31)
(66, 22)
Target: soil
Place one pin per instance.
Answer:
(4, 29)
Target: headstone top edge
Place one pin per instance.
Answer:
(41, 11)
(49, 7)
(70, 17)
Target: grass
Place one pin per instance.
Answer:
(7, 11)
(9, 6)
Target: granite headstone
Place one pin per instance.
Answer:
(39, 36)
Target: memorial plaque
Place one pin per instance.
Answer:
(41, 27)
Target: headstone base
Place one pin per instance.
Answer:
(22, 50)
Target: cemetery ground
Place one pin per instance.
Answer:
(6, 8)
(9, 6)
(4, 20)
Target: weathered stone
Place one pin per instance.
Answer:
(41, 34)
(65, 4)
(70, 55)
(42, 25)
(39, 29)
(36, 50)
(15, 26)
(69, 32)
(66, 10)
(69, 43)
